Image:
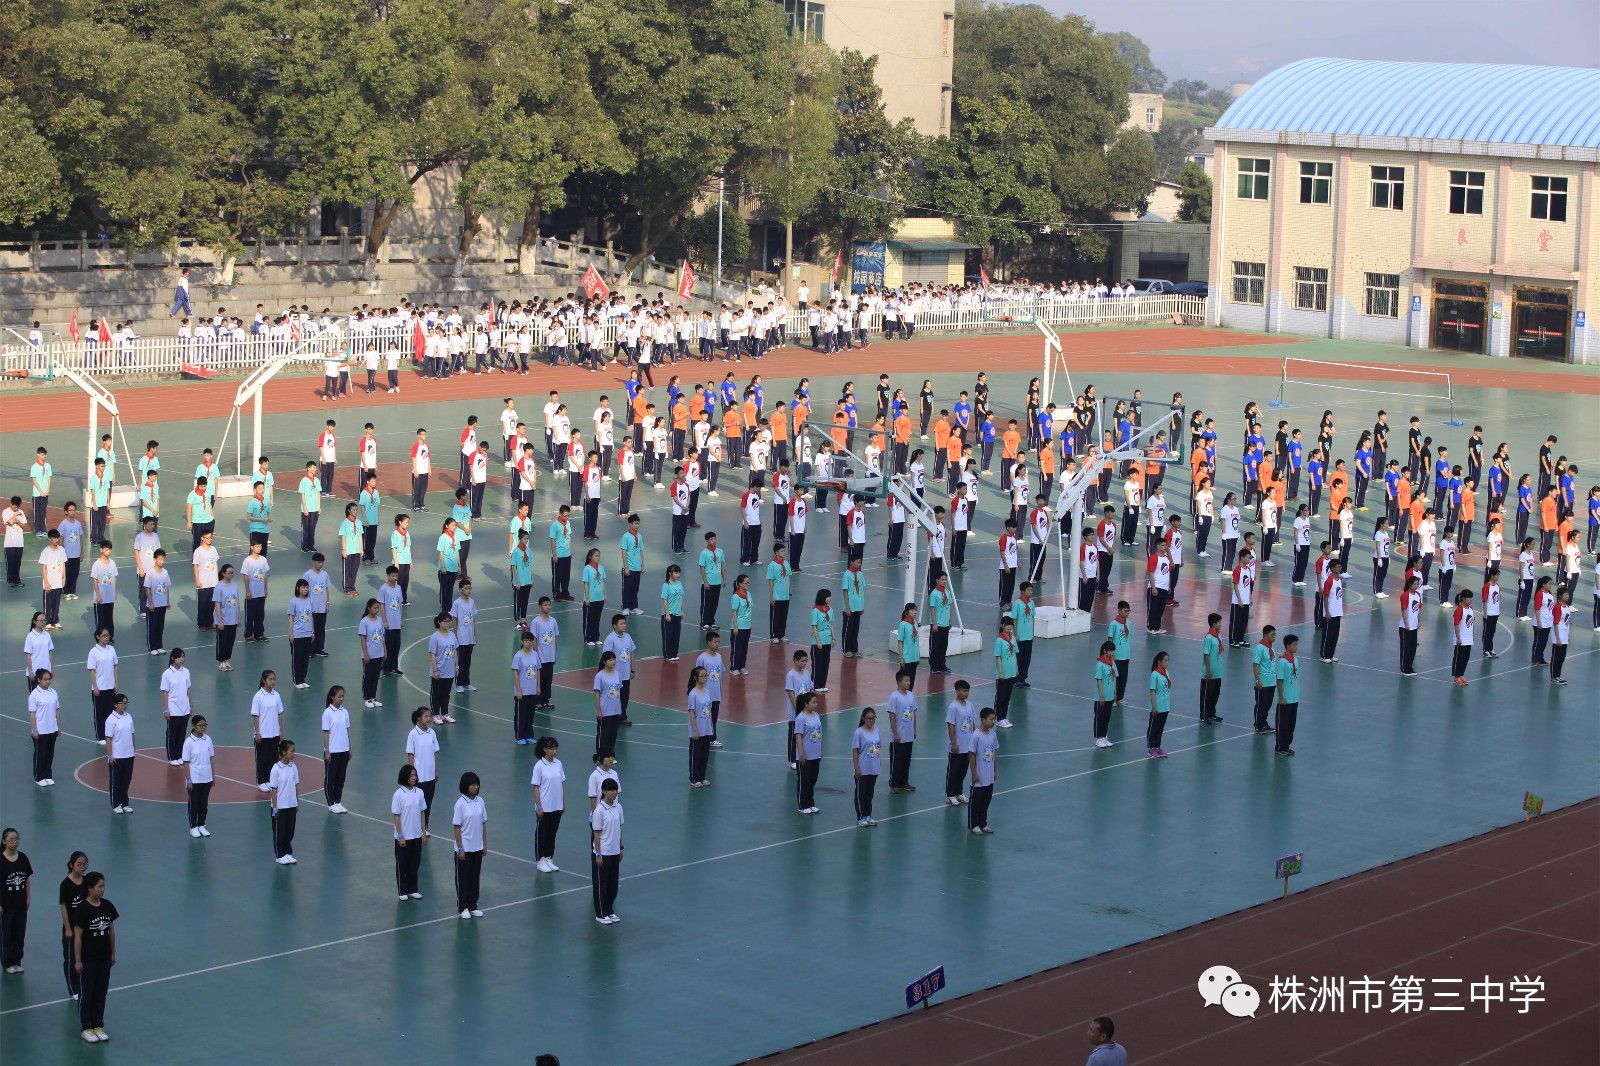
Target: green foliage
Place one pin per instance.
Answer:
(699, 233)
(1147, 77)
(873, 157)
(1194, 194)
(30, 179)
(1173, 143)
(1038, 105)
(798, 157)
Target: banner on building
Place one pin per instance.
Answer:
(866, 265)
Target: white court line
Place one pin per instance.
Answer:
(631, 877)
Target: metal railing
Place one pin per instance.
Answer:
(168, 355)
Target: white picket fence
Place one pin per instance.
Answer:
(167, 355)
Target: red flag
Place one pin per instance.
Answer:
(838, 261)
(983, 275)
(419, 341)
(488, 321)
(105, 332)
(686, 281)
(72, 328)
(594, 286)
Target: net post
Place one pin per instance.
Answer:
(1283, 382)
(1450, 394)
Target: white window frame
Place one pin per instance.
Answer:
(1254, 279)
(1257, 177)
(1389, 188)
(1383, 295)
(1316, 176)
(1548, 198)
(1463, 185)
(1310, 288)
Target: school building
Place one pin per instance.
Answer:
(1437, 205)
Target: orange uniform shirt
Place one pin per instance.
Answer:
(752, 414)
(1469, 506)
(732, 426)
(902, 429)
(1547, 514)
(640, 403)
(1047, 462)
(1010, 441)
(941, 432)
(779, 421)
(680, 416)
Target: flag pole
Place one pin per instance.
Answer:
(716, 286)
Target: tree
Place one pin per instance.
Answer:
(873, 159)
(1194, 193)
(1147, 77)
(1173, 143)
(690, 88)
(993, 172)
(1189, 90)
(1021, 69)
(699, 233)
(30, 178)
(799, 159)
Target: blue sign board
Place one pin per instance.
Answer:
(1416, 303)
(923, 988)
(866, 265)
(1289, 865)
(1581, 320)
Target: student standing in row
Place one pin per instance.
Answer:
(524, 688)
(808, 751)
(422, 752)
(605, 828)
(1105, 692)
(1288, 689)
(607, 689)
(1462, 624)
(866, 746)
(44, 725)
(1560, 633)
(983, 761)
(103, 672)
(335, 749)
(902, 711)
(1264, 673)
(199, 752)
(121, 750)
(1160, 705)
(94, 953)
(821, 639)
(443, 654)
(70, 895)
(549, 801)
(283, 801)
(702, 726)
(1213, 666)
(470, 823)
(16, 895)
(175, 704)
(409, 809)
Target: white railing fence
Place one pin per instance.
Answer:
(167, 355)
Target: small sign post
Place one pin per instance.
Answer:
(1287, 867)
(1532, 806)
(922, 989)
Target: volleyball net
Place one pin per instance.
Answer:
(1421, 386)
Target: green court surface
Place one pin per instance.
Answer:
(747, 927)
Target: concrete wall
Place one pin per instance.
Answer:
(1140, 106)
(914, 41)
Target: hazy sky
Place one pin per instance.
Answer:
(1239, 40)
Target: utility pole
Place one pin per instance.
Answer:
(716, 286)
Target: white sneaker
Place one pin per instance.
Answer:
(291, 859)
(1383, 595)
(174, 762)
(716, 743)
(282, 860)
(542, 866)
(414, 895)
(303, 684)
(367, 703)
(195, 833)
(964, 800)
(1102, 742)
(466, 914)
(1004, 723)
(975, 831)
(204, 831)
(952, 801)
(51, 780)
(263, 787)
(404, 897)
(377, 703)
(472, 688)
(553, 867)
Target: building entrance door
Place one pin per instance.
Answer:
(1460, 316)
(1542, 320)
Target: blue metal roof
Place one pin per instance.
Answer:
(1493, 103)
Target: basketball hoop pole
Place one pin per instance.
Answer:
(249, 391)
(1052, 347)
(99, 396)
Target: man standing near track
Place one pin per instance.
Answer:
(1107, 1052)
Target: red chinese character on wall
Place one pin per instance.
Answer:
(1461, 235)
(1544, 240)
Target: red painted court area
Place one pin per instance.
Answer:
(157, 781)
(1517, 904)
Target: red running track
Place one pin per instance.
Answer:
(1519, 901)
